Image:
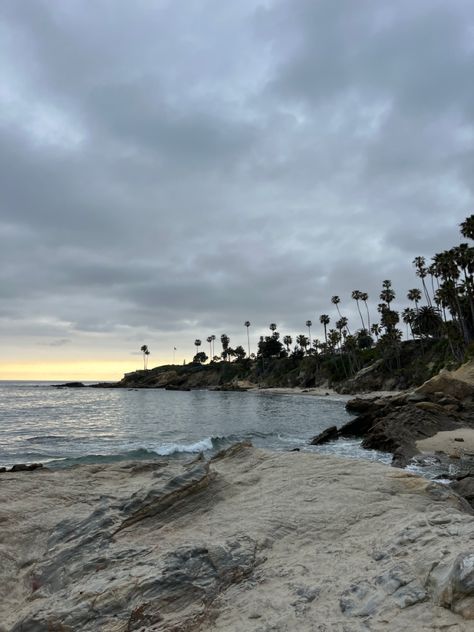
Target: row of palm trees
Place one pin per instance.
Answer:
(447, 287)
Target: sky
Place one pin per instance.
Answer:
(170, 169)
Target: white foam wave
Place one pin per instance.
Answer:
(172, 448)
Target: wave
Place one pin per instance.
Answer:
(134, 452)
(166, 449)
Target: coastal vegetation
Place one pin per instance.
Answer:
(400, 348)
(436, 329)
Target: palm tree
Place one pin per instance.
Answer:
(247, 324)
(335, 300)
(357, 296)
(421, 271)
(272, 327)
(309, 325)
(364, 297)
(415, 296)
(225, 345)
(428, 322)
(302, 340)
(376, 330)
(341, 325)
(198, 343)
(209, 340)
(213, 347)
(387, 294)
(467, 227)
(287, 340)
(408, 316)
(325, 320)
(146, 353)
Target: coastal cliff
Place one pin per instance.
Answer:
(250, 540)
(375, 374)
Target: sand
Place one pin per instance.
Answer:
(446, 442)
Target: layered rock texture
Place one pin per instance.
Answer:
(251, 541)
(400, 423)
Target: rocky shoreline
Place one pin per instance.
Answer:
(249, 540)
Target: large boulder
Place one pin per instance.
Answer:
(457, 384)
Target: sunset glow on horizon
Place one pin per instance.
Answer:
(83, 370)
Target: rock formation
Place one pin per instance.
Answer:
(251, 541)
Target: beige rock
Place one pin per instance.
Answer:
(253, 542)
(458, 384)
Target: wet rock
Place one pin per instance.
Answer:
(70, 385)
(330, 434)
(23, 467)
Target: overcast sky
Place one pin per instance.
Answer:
(170, 169)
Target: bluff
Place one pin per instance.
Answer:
(413, 366)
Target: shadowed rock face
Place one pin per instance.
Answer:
(249, 541)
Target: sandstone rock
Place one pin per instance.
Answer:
(253, 541)
(458, 384)
(465, 488)
(457, 589)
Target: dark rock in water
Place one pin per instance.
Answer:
(23, 467)
(360, 405)
(295, 450)
(172, 387)
(70, 385)
(458, 439)
(329, 434)
(3, 469)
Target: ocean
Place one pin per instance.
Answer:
(61, 427)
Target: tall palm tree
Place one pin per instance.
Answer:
(272, 327)
(422, 272)
(225, 345)
(146, 353)
(408, 316)
(364, 297)
(309, 324)
(387, 294)
(247, 324)
(287, 340)
(209, 340)
(335, 300)
(213, 346)
(415, 296)
(357, 296)
(325, 320)
(198, 343)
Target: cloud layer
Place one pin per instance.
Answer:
(168, 171)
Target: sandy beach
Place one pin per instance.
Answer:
(455, 443)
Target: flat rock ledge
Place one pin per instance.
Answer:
(250, 541)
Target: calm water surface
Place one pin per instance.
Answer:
(64, 426)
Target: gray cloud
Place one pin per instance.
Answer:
(168, 174)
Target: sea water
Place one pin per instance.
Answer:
(63, 426)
